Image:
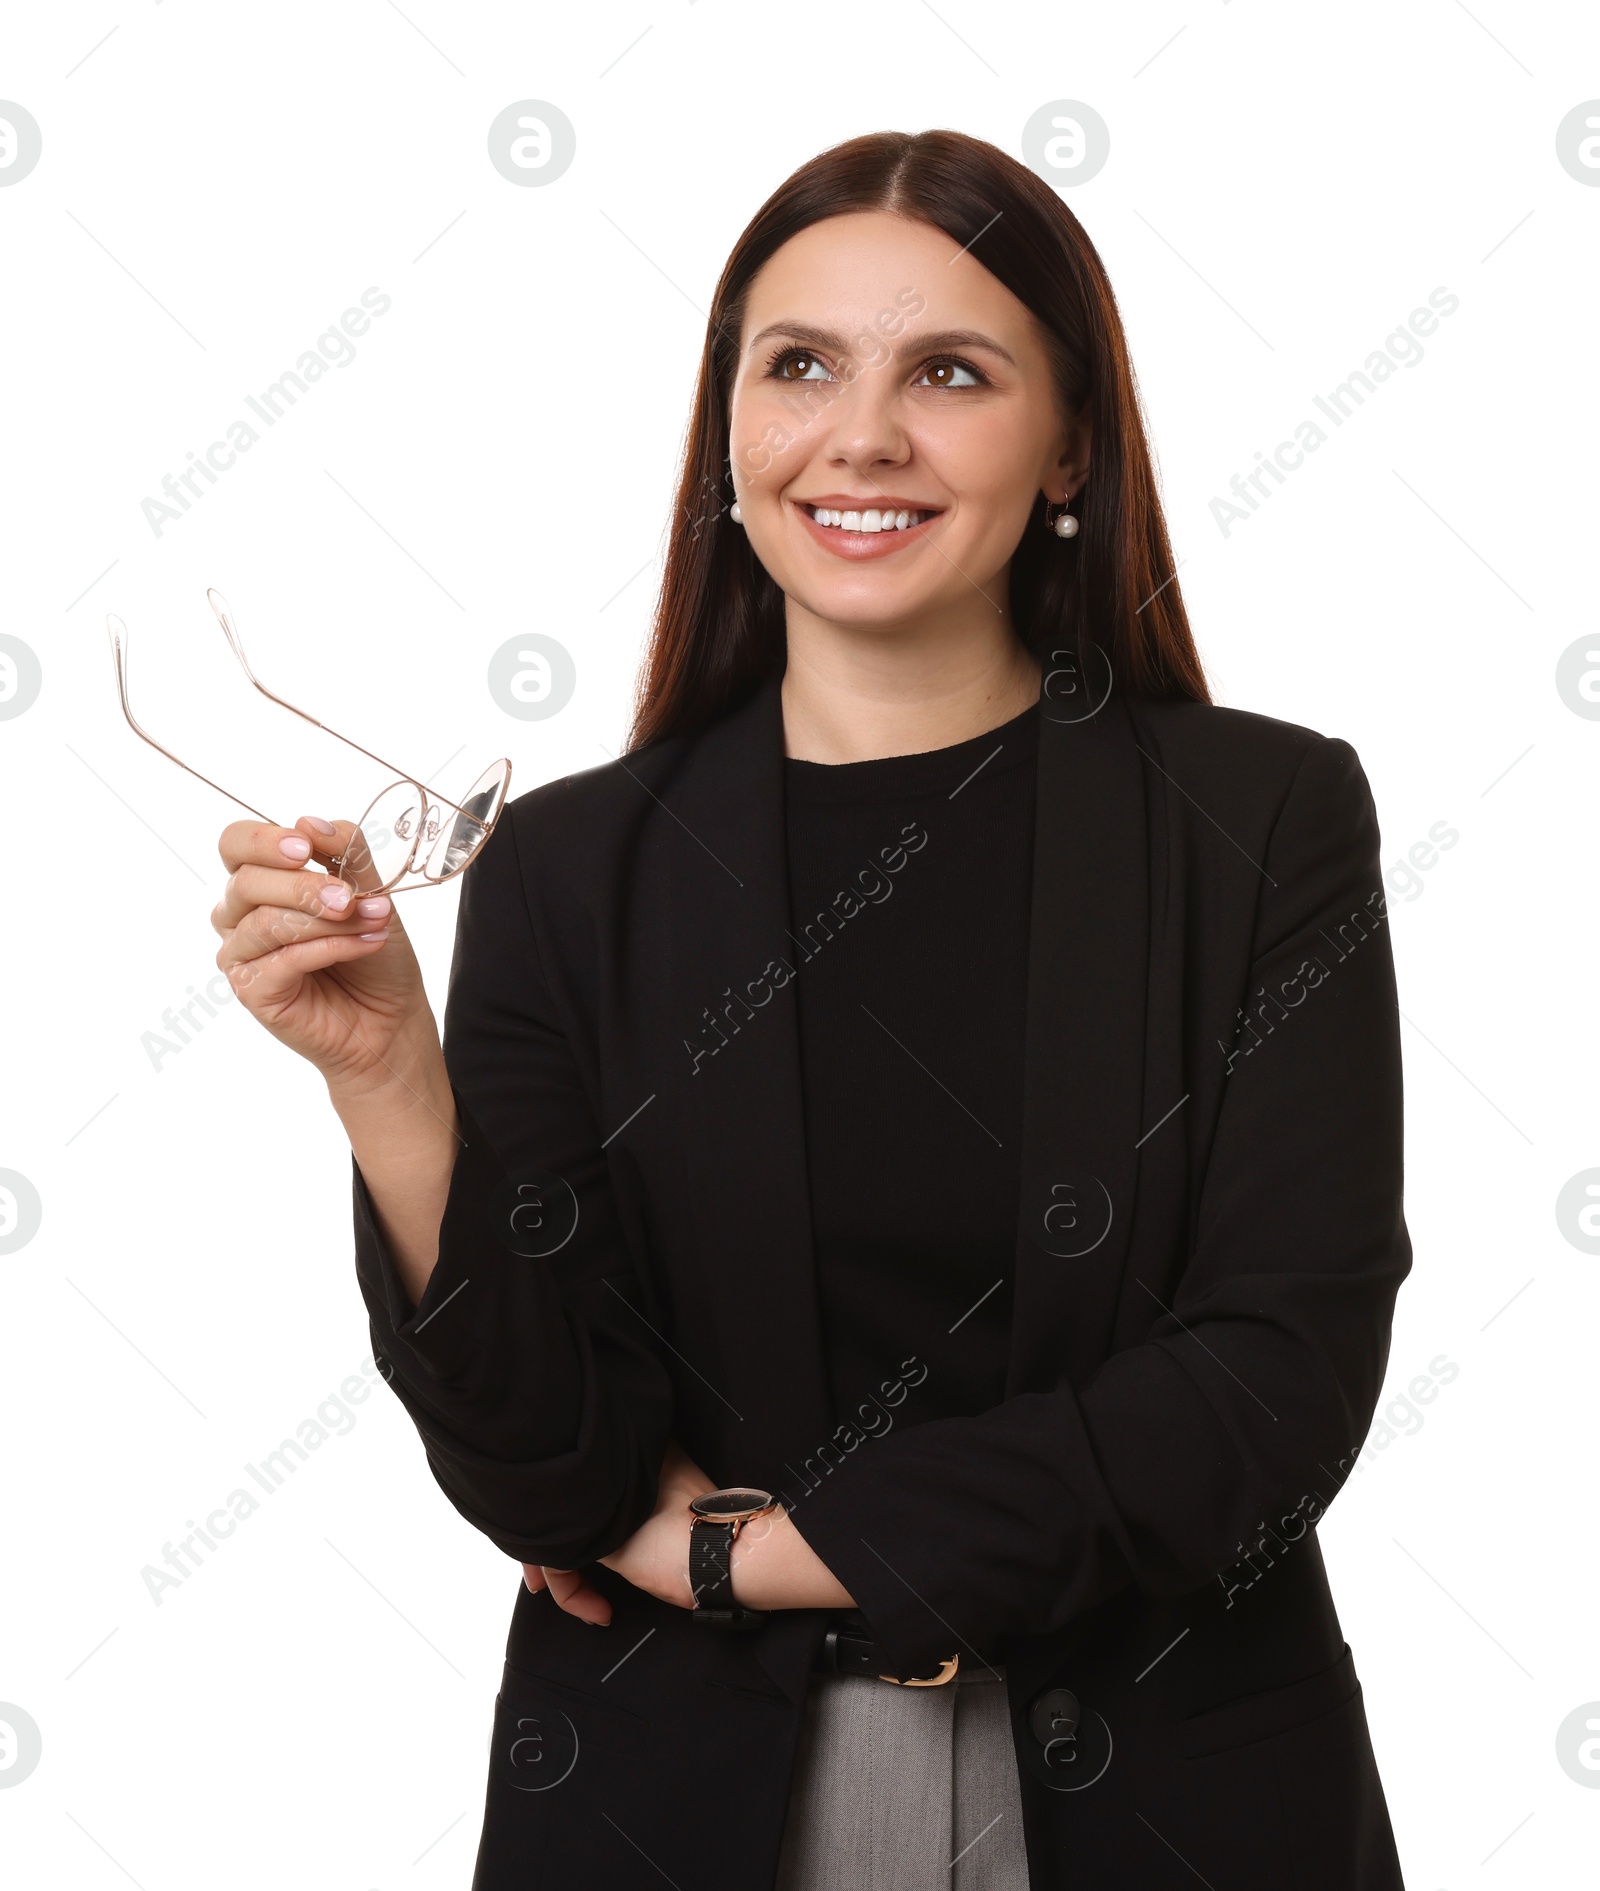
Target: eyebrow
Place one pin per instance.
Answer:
(935, 343)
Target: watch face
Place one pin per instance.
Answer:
(730, 1506)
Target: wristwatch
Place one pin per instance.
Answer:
(715, 1519)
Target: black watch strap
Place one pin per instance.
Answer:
(711, 1577)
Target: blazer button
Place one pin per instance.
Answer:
(1071, 1744)
(1054, 1718)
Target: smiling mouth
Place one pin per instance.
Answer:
(871, 519)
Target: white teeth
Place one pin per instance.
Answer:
(873, 519)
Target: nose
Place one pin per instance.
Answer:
(865, 427)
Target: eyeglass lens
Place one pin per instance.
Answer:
(406, 831)
(462, 834)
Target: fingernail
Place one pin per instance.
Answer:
(373, 908)
(295, 847)
(335, 897)
(376, 938)
(322, 826)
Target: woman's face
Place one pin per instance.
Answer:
(887, 377)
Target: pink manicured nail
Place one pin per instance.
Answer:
(373, 908)
(295, 847)
(322, 826)
(376, 938)
(335, 897)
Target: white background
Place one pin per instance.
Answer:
(217, 185)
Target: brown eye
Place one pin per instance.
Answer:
(949, 374)
(797, 364)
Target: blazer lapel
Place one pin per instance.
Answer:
(741, 1147)
(743, 1128)
(1084, 1058)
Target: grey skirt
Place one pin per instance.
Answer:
(905, 1788)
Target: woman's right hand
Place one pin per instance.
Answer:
(329, 973)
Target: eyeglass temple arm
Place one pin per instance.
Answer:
(119, 632)
(225, 619)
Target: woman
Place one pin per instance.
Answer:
(944, 1077)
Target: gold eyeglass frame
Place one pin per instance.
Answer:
(429, 799)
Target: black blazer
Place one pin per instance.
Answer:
(1210, 1243)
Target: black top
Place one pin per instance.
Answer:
(909, 892)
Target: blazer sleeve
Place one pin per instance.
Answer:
(1232, 1413)
(542, 1403)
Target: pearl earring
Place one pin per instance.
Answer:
(1064, 525)
(735, 514)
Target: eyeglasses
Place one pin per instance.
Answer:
(403, 831)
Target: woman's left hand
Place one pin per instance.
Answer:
(773, 1565)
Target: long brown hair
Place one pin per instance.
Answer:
(719, 622)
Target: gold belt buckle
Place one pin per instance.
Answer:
(946, 1672)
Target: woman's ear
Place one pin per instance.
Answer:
(1070, 463)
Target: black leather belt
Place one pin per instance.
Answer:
(850, 1647)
